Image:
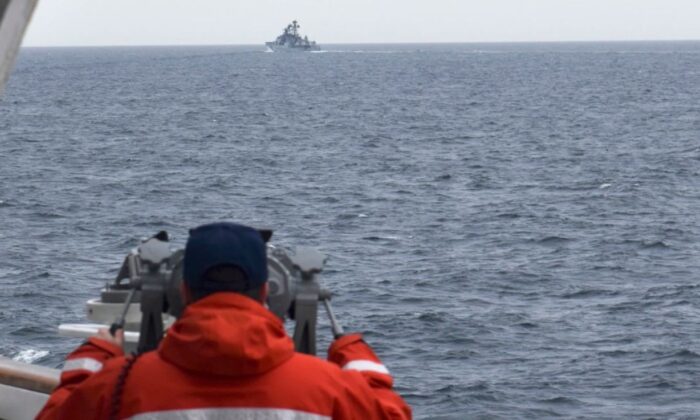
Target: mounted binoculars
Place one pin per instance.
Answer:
(151, 276)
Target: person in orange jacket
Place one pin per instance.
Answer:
(226, 357)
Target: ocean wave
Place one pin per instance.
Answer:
(30, 355)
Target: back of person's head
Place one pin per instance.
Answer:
(225, 257)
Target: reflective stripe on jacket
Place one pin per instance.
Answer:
(228, 357)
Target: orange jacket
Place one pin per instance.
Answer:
(227, 357)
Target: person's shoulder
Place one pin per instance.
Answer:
(113, 367)
(315, 373)
(101, 379)
(306, 375)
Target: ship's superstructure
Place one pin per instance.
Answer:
(291, 40)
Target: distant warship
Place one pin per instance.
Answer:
(290, 40)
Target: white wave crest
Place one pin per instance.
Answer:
(30, 355)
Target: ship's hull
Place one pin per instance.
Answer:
(286, 48)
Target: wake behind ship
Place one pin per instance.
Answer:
(292, 41)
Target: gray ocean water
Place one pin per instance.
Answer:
(514, 227)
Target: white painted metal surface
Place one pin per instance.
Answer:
(106, 313)
(88, 330)
(24, 388)
(20, 404)
(16, 17)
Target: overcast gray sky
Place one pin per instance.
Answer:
(186, 22)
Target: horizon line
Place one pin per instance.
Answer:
(606, 41)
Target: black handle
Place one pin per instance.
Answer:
(114, 327)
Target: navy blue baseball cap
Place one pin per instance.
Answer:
(218, 244)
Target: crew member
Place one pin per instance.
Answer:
(226, 357)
